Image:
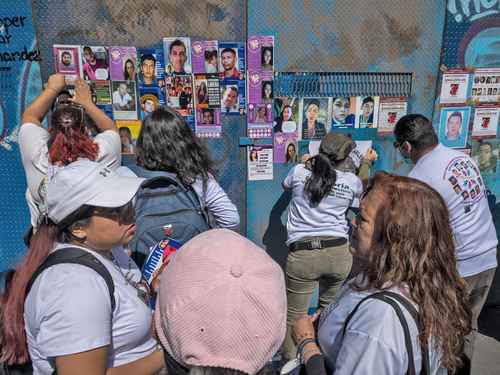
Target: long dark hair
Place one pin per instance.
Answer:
(426, 263)
(322, 179)
(167, 143)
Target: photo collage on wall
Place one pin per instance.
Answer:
(469, 99)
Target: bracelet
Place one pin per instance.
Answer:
(309, 351)
(303, 343)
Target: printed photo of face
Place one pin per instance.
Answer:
(367, 108)
(89, 55)
(148, 66)
(340, 109)
(453, 126)
(177, 55)
(228, 63)
(312, 112)
(149, 106)
(129, 70)
(487, 161)
(287, 113)
(267, 58)
(208, 117)
(67, 58)
(230, 97)
(267, 91)
(254, 156)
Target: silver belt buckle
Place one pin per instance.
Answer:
(316, 244)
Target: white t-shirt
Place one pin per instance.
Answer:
(34, 154)
(374, 339)
(456, 177)
(329, 217)
(68, 310)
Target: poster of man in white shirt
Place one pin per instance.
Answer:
(124, 100)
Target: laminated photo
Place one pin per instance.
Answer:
(233, 97)
(343, 113)
(260, 87)
(391, 109)
(149, 100)
(177, 52)
(232, 61)
(207, 91)
(485, 123)
(486, 154)
(208, 124)
(95, 63)
(122, 63)
(454, 126)
(314, 117)
(285, 148)
(260, 163)
(151, 67)
(179, 90)
(260, 120)
(68, 61)
(261, 53)
(286, 115)
(129, 132)
(367, 112)
(454, 88)
(486, 85)
(204, 56)
(124, 100)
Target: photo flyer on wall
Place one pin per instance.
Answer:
(179, 90)
(101, 92)
(454, 87)
(260, 120)
(260, 87)
(486, 154)
(208, 124)
(124, 97)
(207, 91)
(177, 53)
(95, 63)
(150, 98)
(260, 163)
(260, 50)
(122, 63)
(285, 148)
(129, 132)
(233, 97)
(313, 118)
(391, 109)
(204, 56)
(286, 115)
(151, 67)
(343, 112)
(232, 61)
(367, 112)
(485, 123)
(454, 126)
(68, 61)
(486, 85)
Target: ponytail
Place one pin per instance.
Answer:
(322, 179)
(14, 345)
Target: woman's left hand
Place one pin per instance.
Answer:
(303, 328)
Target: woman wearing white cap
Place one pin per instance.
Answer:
(67, 321)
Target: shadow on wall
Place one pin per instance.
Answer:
(275, 235)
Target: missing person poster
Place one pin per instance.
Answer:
(260, 120)
(124, 100)
(260, 163)
(149, 100)
(204, 56)
(454, 126)
(95, 63)
(177, 52)
(151, 67)
(486, 85)
(232, 61)
(122, 63)
(260, 87)
(285, 148)
(367, 112)
(391, 109)
(260, 53)
(179, 91)
(208, 124)
(129, 132)
(485, 123)
(68, 61)
(286, 115)
(314, 117)
(454, 87)
(207, 91)
(343, 112)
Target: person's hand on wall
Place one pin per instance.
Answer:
(83, 95)
(371, 155)
(56, 83)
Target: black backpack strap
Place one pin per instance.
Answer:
(386, 296)
(75, 255)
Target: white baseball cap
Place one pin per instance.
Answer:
(86, 182)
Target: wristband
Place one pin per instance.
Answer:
(303, 343)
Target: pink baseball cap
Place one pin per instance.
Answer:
(221, 303)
